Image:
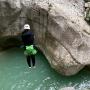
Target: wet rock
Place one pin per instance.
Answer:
(60, 30)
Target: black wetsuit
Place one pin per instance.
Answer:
(28, 39)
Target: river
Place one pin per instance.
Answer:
(15, 74)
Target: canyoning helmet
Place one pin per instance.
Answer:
(26, 26)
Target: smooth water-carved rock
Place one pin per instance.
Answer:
(59, 26)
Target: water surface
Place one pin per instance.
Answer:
(15, 74)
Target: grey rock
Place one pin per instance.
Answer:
(87, 4)
(59, 26)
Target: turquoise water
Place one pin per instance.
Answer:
(15, 74)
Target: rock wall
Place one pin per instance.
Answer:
(59, 26)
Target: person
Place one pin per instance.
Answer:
(28, 39)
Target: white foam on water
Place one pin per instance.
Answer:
(85, 85)
(67, 88)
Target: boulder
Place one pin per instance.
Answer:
(59, 26)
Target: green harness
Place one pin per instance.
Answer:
(30, 50)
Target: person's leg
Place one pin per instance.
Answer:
(29, 61)
(33, 59)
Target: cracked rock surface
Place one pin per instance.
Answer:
(59, 26)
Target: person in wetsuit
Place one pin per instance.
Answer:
(28, 39)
